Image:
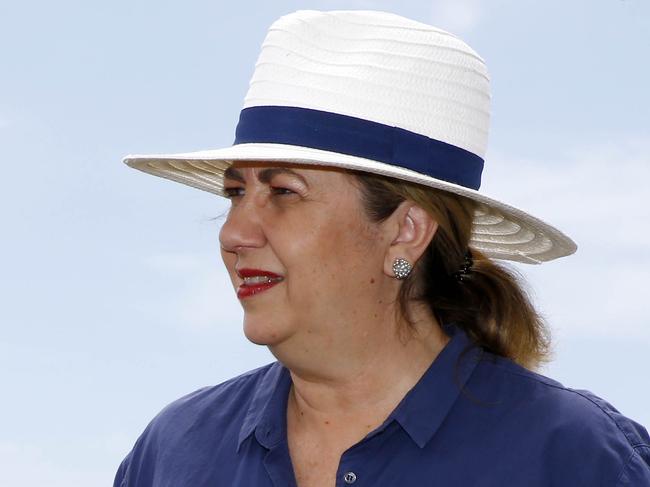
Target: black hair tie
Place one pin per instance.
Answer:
(466, 268)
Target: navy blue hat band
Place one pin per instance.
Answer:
(362, 138)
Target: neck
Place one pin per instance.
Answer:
(367, 389)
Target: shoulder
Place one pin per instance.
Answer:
(204, 420)
(218, 401)
(571, 424)
(577, 408)
(212, 407)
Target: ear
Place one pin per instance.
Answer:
(411, 230)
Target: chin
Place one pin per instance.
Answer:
(263, 331)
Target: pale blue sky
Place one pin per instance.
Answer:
(114, 300)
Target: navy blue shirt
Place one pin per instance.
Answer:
(507, 427)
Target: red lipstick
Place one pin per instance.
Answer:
(265, 280)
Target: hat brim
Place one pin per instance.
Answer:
(500, 231)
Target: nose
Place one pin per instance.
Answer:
(242, 228)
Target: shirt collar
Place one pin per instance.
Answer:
(267, 412)
(420, 413)
(428, 403)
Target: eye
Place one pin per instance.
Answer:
(236, 192)
(282, 191)
(233, 192)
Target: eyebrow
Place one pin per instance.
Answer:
(264, 176)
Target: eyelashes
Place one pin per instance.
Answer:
(282, 191)
(231, 193)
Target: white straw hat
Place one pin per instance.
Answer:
(375, 92)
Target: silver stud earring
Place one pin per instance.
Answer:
(401, 268)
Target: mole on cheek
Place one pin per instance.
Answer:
(372, 280)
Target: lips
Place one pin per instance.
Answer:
(256, 281)
(256, 272)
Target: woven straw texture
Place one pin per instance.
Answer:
(383, 68)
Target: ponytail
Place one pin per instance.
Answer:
(490, 303)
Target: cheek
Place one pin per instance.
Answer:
(350, 245)
(332, 258)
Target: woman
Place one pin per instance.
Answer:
(362, 254)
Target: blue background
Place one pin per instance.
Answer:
(114, 300)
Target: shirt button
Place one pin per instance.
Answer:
(350, 477)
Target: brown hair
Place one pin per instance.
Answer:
(491, 305)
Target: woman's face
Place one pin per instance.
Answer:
(305, 224)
